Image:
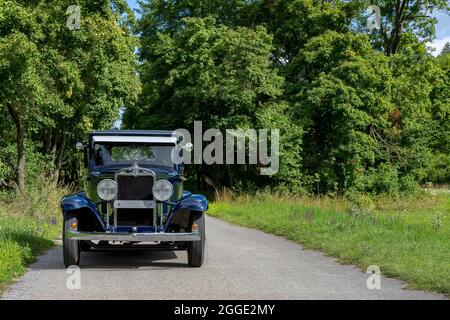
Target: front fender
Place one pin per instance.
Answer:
(77, 201)
(181, 211)
(85, 209)
(193, 202)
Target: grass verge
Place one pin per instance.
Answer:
(21, 240)
(408, 238)
(29, 224)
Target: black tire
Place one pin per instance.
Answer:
(85, 245)
(196, 249)
(71, 248)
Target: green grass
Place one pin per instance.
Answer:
(21, 240)
(29, 224)
(408, 238)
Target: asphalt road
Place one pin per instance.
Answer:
(240, 264)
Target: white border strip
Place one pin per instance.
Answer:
(137, 139)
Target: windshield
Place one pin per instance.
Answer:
(110, 154)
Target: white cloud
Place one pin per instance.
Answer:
(438, 45)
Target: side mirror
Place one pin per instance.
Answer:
(188, 147)
(79, 146)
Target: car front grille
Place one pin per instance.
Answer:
(134, 187)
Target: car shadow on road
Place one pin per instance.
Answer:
(116, 259)
(135, 259)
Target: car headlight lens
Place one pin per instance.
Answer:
(107, 189)
(162, 190)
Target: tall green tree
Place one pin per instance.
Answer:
(58, 83)
(209, 72)
(168, 16)
(406, 20)
(294, 22)
(22, 81)
(204, 70)
(344, 109)
(446, 49)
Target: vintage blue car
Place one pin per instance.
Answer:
(134, 198)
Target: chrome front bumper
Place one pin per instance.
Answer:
(144, 237)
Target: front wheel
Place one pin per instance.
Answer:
(71, 248)
(196, 249)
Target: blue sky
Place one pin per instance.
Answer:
(442, 32)
(442, 28)
(133, 4)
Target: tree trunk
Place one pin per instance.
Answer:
(47, 144)
(394, 41)
(18, 120)
(59, 155)
(230, 176)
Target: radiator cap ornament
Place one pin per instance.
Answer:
(135, 167)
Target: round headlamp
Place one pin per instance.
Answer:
(162, 190)
(107, 189)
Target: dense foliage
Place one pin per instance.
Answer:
(359, 110)
(57, 83)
